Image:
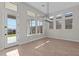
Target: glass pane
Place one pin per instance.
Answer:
(33, 23)
(33, 27)
(41, 23)
(39, 27)
(50, 25)
(68, 24)
(11, 25)
(58, 24)
(38, 23)
(33, 30)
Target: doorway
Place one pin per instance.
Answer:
(11, 31)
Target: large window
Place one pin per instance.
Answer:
(36, 27)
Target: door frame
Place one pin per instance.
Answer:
(13, 13)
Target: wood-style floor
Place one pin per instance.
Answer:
(44, 47)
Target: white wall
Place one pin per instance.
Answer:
(57, 6)
(2, 32)
(66, 34)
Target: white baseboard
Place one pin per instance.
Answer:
(34, 39)
(64, 39)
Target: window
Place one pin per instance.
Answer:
(36, 27)
(58, 25)
(68, 24)
(32, 27)
(59, 21)
(39, 27)
(68, 20)
(11, 6)
(50, 25)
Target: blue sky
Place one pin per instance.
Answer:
(11, 23)
(34, 23)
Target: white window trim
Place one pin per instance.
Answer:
(36, 28)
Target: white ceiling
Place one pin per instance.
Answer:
(38, 6)
(53, 6)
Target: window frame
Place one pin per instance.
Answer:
(51, 26)
(40, 27)
(70, 23)
(32, 26)
(36, 21)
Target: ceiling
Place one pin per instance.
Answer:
(53, 6)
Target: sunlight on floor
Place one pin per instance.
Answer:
(13, 53)
(42, 44)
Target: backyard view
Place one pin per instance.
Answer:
(11, 24)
